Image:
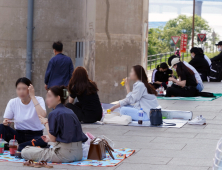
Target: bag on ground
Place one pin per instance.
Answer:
(119, 120)
(98, 148)
(156, 117)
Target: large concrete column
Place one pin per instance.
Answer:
(120, 43)
(198, 8)
(113, 33)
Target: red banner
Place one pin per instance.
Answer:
(183, 43)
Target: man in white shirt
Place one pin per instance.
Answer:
(200, 86)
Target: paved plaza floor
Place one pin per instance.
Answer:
(189, 148)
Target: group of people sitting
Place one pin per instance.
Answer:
(63, 125)
(188, 77)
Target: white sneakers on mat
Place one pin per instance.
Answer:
(199, 120)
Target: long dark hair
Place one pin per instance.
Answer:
(82, 82)
(181, 67)
(23, 80)
(163, 66)
(141, 75)
(60, 91)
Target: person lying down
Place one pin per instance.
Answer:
(142, 96)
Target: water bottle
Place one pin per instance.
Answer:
(140, 114)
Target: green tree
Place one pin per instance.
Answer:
(175, 27)
(155, 42)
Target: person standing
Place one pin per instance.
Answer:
(60, 68)
(218, 58)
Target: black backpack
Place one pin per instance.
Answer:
(215, 72)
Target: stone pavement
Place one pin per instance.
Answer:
(189, 148)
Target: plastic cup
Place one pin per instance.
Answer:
(2, 145)
(13, 146)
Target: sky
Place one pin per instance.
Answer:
(161, 11)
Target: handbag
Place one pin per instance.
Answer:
(156, 117)
(98, 148)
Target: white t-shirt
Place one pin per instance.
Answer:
(25, 116)
(197, 75)
(208, 60)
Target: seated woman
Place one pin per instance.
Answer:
(63, 128)
(199, 63)
(186, 85)
(88, 108)
(24, 111)
(160, 75)
(142, 96)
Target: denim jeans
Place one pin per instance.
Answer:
(199, 87)
(130, 111)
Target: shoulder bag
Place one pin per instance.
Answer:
(98, 148)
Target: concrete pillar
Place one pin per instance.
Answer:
(198, 8)
(120, 43)
(113, 33)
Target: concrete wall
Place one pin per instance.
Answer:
(53, 20)
(112, 32)
(119, 43)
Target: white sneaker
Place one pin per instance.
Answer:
(198, 121)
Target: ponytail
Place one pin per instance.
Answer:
(158, 67)
(60, 91)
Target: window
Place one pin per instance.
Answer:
(79, 49)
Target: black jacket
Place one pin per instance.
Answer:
(161, 76)
(217, 58)
(200, 64)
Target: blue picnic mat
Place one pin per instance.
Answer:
(119, 155)
(217, 95)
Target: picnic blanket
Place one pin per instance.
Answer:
(217, 95)
(119, 155)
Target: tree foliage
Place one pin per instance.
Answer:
(160, 38)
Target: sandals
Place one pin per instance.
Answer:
(41, 164)
(29, 163)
